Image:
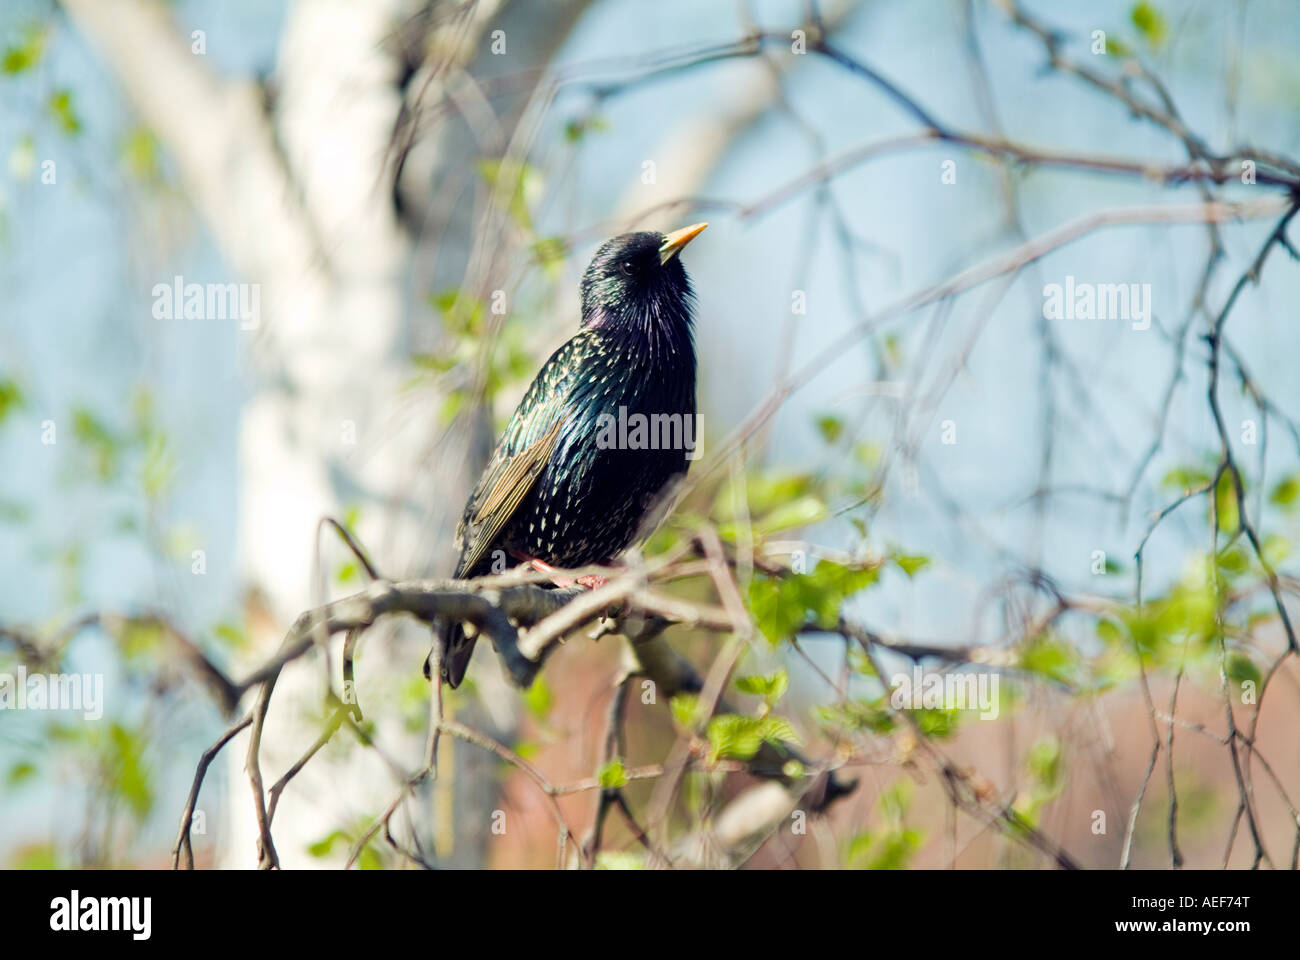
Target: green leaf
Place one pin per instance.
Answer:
(829, 585)
(129, 775)
(1150, 23)
(831, 428)
(612, 775)
(776, 618)
(1233, 561)
(845, 579)
(1185, 478)
(1276, 548)
(22, 158)
(1045, 763)
(140, 638)
(896, 800)
(65, 115)
(896, 850)
(1117, 47)
(1052, 658)
(517, 184)
(620, 860)
(867, 716)
(777, 730)
(233, 634)
(868, 454)
(1242, 669)
(783, 605)
(770, 687)
(92, 434)
(461, 314)
(141, 155)
(1285, 494)
(578, 127)
(25, 54)
(893, 350)
(20, 772)
(686, 710)
(855, 854)
(910, 564)
(802, 512)
(937, 724)
(759, 492)
(40, 856)
(157, 468)
(323, 846)
(538, 698)
(550, 253)
(11, 398)
(1225, 500)
(450, 406)
(735, 737)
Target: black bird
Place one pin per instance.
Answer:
(557, 492)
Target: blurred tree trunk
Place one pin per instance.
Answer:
(297, 201)
(297, 189)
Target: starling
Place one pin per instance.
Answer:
(557, 492)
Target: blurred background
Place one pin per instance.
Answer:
(408, 191)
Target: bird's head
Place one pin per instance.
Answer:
(636, 284)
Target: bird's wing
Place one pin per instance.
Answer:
(518, 461)
(501, 491)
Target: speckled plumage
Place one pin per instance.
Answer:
(550, 491)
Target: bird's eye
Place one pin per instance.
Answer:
(627, 268)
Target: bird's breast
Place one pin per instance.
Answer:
(629, 429)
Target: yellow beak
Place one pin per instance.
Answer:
(675, 241)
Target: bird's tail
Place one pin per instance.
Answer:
(457, 649)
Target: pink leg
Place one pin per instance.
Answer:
(590, 581)
(542, 567)
(549, 570)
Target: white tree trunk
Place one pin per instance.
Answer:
(304, 210)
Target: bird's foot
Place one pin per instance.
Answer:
(613, 613)
(591, 581)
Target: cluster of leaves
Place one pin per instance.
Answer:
(372, 855)
(105, 455)
(19, 60)
(110, 760)
(784, 605)
(516, 187)
(738, 736)
(507, 362)
(1046, 773)
(1181, 629)
(893, 844)
(1150, 26)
